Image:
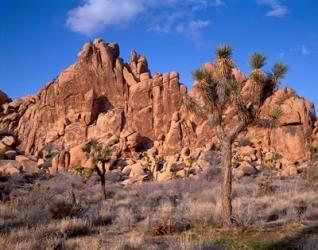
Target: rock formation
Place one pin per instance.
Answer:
(100, 96)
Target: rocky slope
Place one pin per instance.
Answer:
(123, 105)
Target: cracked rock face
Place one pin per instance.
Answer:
(101, 95)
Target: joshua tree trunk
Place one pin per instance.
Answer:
(227, 182)
(103, 188)
(101, 174)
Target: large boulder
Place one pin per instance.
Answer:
(9, 167)
(28, 166)
(78, 158)
(293, 134)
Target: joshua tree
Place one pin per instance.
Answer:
(100, 157)
(220, 90)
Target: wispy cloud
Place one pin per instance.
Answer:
(192, 30)
(277, 8)
(94, 16)
(304, 51)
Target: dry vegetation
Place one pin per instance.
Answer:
(61, 212)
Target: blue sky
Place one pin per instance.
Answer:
(39, 38)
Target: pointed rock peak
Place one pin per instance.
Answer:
(105, 52)
(115, 49)
(138, 64)
(98, 41)
(142, 58)
(86, 52)
(133, 56)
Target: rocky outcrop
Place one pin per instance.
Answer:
(96, 96)
(292, 135)
(123, 105)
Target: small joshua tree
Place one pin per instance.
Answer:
(100, 157)
(220, 90)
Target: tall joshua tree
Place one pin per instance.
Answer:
(100, 157)
(220, 90)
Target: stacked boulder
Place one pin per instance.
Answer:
(11, 160)
(8, 145)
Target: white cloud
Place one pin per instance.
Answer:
(277, 8)
(192, 30)
(94, 16)
(304, 50)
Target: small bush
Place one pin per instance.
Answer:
(75, 228)
(170, 226)
(245, 142)
(62, 209)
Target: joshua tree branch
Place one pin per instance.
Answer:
(236, 130)
(96, 168)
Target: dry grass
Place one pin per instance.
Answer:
(61, 212)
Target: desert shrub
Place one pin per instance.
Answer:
(310, 174)
(170, 226)
(102, 215)
(188, 242)
(212, 174)
(266, 188)
(153, 199)
(5, 189)
(311, 213)
(102, 220)
(132, 242)
(75, 228)
(126, 217)
(245, 142)
(42, 237)
(61, 209)
(32, 216)
(203, 213)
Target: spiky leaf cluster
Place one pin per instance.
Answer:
(257, 61)
(224, 51)
(224, 63)
(97, 152)
(217, 85)
(279, 70)
(276, 113)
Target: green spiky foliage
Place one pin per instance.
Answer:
(224, 51)
(273, 80)
(313, 150)
(223, 63)
(258, 77)
(232, 86)
(100, 156)
(201, 75)
(257, 61)
(97, 147)
(276, 113)
(279, 71)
